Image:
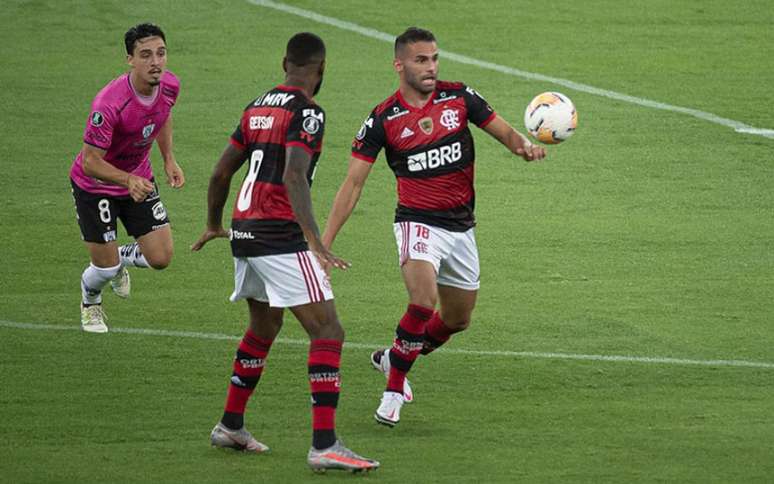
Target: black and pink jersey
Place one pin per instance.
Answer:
(124, 124)
(430, 150)
(263, 222)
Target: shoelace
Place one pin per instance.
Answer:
(94, 313)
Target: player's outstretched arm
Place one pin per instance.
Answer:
(217, 193)
(513, 140)
(175, 176)
(297, 162)
(94, 165)
(346, 198)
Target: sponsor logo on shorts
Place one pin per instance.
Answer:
(420, 247)
(238, 235)
(109, 236)
(159, 212)
(156, 227)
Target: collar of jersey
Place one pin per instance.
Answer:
(288, 88)
(413, 109)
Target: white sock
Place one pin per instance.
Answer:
(132, 256)
(93, 280)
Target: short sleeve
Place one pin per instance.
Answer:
(306, 128)
(99, 128)
(479, 111)
(370, 139)
(237, 137)
(170, 87)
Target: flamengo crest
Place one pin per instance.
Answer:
(450, 119)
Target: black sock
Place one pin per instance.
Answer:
(234, 421)
(322, 439)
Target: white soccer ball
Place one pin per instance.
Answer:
(551, 118)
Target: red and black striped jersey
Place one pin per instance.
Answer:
(430, 150)
(263, 222)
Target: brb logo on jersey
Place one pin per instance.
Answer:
(443, 155)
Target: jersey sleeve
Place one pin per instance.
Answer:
(99, 128)
(170, 88)
(306, 129)
(370, 139)
(479, 111)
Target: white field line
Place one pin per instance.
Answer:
(738, 126)
(371, 346)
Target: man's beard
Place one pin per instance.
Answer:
(416, 83)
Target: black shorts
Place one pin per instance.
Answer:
(98, 214)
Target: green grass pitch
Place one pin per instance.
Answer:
(649, 234)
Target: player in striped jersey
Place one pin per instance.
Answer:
(423, 128)
(279, 259)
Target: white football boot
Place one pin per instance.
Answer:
(121, 284)
(388, 412)
(339, 457)
(222, 436)
(380, 360)
(93, 319)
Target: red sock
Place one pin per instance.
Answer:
(248, 367)
(436, 334)
(324, 383)
(409, 338)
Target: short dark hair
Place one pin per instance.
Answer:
(305, 48)
(413, 35)
(141, 31)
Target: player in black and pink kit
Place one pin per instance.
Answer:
(279, 259)
(112, 178)
(423, 128)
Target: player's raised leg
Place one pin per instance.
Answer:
(148, 223)
(420, 279)
(454, 315)
(265, 324)
(156, 248)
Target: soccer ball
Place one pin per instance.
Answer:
(551, 118)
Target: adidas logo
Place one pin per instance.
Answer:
(406, 133)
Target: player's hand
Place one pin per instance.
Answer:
(139, 187)
(531, 152)
(208, 235)
(175, 176)
(326, 258)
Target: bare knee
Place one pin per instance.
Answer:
(455, 323)
(458, 325)
(159, 261)
(330, 330)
